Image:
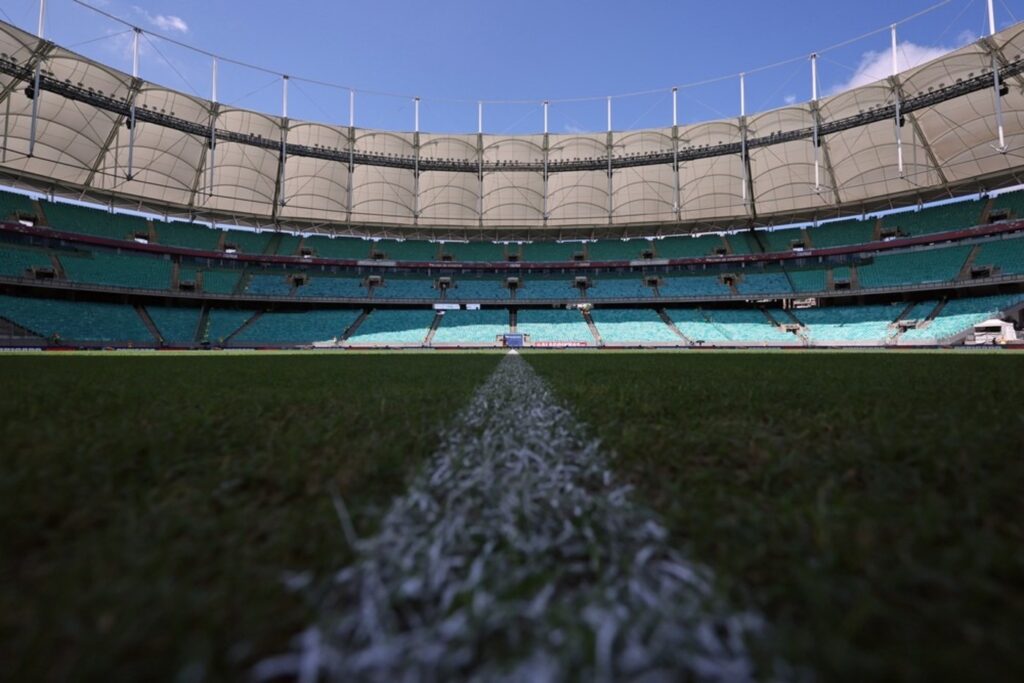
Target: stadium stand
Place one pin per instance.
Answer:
(692, 286)
(551, 251)
(913, 267)
(952, 216)
(469, 288)
(688, 247)
(780, 240)
(471, 327)
(14, 204)
(216, 281)
(288, 245)
(76, 321)
(18, 261)
(696, 326)
(269, 285)
(958, 316)
(474, 251)
(745, 242)
(176, 325)
(297, 327)
(336, 286)
(86, 221)
(248, 241)
(407, 250)
(749, 326)
(388, 326)
(807, 280)
(117, 270)
(406, 287)
(1010, 202)
(618, 250)
(612, 287)
(338, 247)
(763, 283)
(221, 323)
(553, 326)
(188, 236)
(633, 326)
(842, 233)
(849, 324)
(1006, 256)
(539, 287)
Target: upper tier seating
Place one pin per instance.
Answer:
(288, 245)
(277, 284)
(537, 287)
(688, 247)
(618, 250)
(842, 233)
(406, 287)
(188, 236)
(550, 251)
(471, 327)
(76, 320)
(807, 280)
(1010, 201)
(333, 286)
(474, 251)
(960, 315)
(248, 241)
(86, 221)
(118, 270)
(408, 250)
(776, 241)
(338, 247)
(176, 325)
(297, 327)
(763, 283)
(470, 288)
(692, 285)
(849, 323)
(18, 261)
(953, 216)
(1006, 254)
(221, 323)
(913, 267)
(633, 325)
(215, 281)
(553, 326)
(619, 287)
(744, 242)
(393, 326)
(12, 204)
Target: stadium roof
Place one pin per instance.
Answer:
(271, 170)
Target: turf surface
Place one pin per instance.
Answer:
(150, 505)
(868, 504)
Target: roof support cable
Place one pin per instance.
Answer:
(677, 199)
(131, 115)
(896, 98)
(998, 89)
(816, 117)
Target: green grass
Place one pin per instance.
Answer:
(150, 505)
(870, 505)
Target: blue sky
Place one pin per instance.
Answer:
(453, 52)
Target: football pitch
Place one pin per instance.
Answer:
(159, 510)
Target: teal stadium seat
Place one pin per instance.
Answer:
(612, 287)
(807, 280)
(540, 288)
(471, 327)
(553, 326)
(692, 286)
(688, 247)
(550, 252)
(117, 270)
(849, 324)
(333, 286)
(297, 327)
(469, 288)
(940, 264)
(76, 321)
(386, 326)
(475, 251)
(13, 204)
(93, 222)
(189, 236)
(944, 218)
(407, 250)
(633, 325)
(18, 261)
(269, 285)
(248, 241)
(176, 325)
(221, 323)
(960, 315)
(617, 250)
(339, 247)
(406, 287)
(1006, 255)
(842, 233)
(764, 283)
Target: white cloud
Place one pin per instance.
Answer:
(164, 22)
(789, 99)
(573, 128)
(877, 64)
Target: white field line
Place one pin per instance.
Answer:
(516, 555)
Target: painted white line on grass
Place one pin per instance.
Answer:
(517, 555)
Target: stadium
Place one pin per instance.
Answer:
(725, 398)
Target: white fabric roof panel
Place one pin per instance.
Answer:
(82, 148)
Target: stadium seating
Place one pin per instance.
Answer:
(553, 326)
(849, 324)
(842, 233)
(764, 283)
(188, 236)
(913, 267)
(474, 251)
(688, 247)
(807, 280)
(288, 245)
(692, 286)
(960, 315)
(469, 288)
(406, 287)
(1013, 202)
(76, 320)
(696, 326)
(750, 326)
(18, 261)
(297, 327)
(248, 241)
(221, 323)
(471, 327)
(216, 281)
(269, 285)
(780, 240)
(176, 325)
(86, 221)
(117, 270)
(12, 204)
(550, 251)
(390, 326)
(1007, 255)
(333, 286)
(612, 287)
(617, 250)
(538, 287)
(744, 242)
(338, 247)
(633, 325)
(407, 250)
(943, 218)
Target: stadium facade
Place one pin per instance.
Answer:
(659, 237)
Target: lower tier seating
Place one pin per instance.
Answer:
(393, 326)
(553, 326)
(869, 324)
(633, 325)
(471, 327)
(960, 315)
(296, 327)
(176, 325)
(221, 323)
(76, 320)
(117, 270)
